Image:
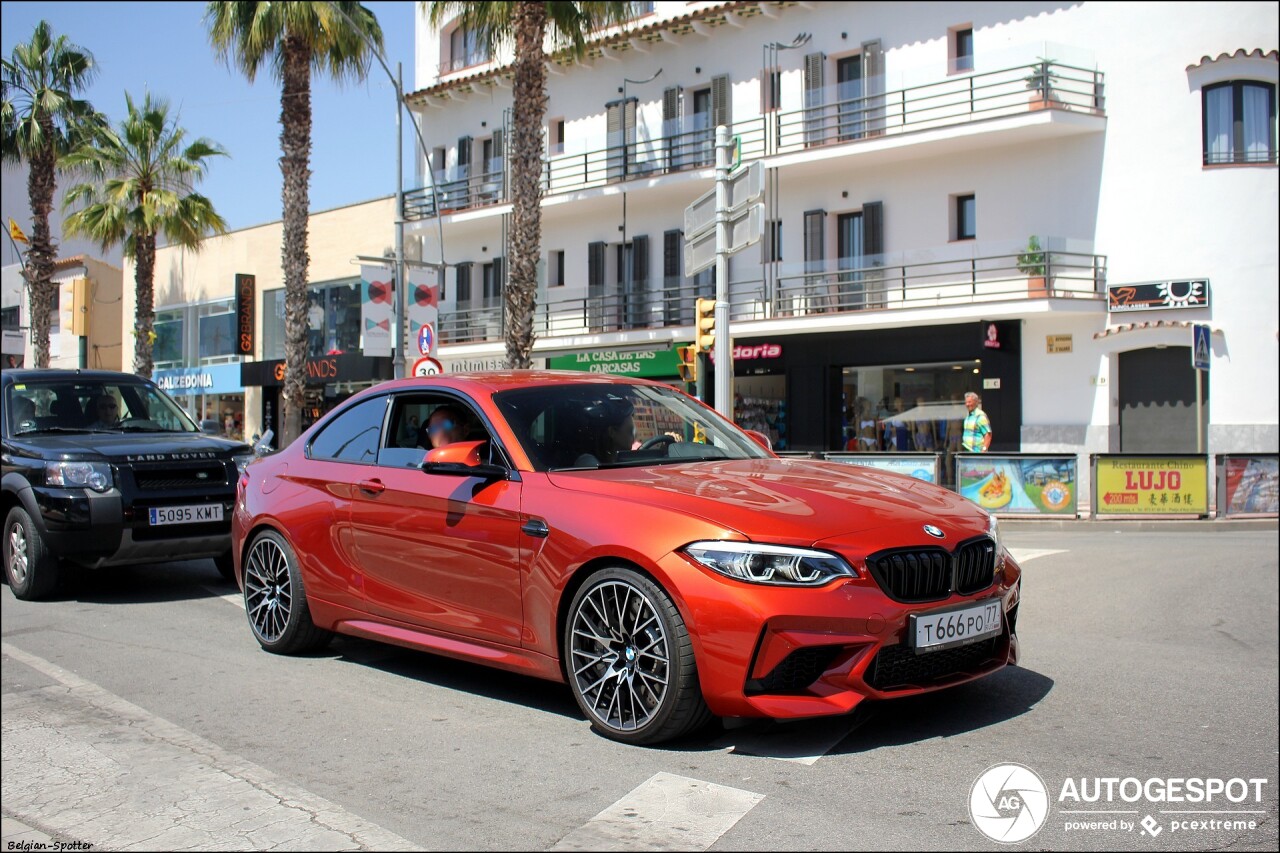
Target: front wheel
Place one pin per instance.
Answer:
(629, 660)
(29, 566)
(275, 599)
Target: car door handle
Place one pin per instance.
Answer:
(373, 487)
(536, 527)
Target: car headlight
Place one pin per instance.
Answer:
(79, 475)
(779, 565)
(242, 460)
(993, 530)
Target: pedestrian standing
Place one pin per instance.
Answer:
(977, 427)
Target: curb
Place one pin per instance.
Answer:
(1142, 525)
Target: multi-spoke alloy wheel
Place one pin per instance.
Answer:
(629, 659)
(29, 567)
(275, 600)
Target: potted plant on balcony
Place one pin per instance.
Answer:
(1033, 263)
(1040, 82)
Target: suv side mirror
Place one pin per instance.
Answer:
(462, 459)
(262, 446)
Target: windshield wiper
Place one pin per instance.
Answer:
(38, 430)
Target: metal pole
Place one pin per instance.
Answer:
(401, 350)
(1199, 413)
(724, 355)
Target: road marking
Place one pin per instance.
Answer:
(84, 763)
(1025, 555)
(667, 812)
(235, 598)
(800, 742)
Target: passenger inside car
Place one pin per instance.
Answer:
(613, 432)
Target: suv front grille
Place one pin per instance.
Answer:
(180, 476)
(930, 574)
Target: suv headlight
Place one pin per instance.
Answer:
(79, 475)
(778, 565)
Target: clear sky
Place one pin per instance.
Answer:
(164, 47)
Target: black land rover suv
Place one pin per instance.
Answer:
(102, 469)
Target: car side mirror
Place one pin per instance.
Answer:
(760, 439)
(462, 459)
(262, 446)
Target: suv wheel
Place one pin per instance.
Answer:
(30, 568)
(275, 599)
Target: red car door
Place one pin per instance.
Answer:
(441, 552)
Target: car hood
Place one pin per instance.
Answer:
(136, 446)
(790, 501)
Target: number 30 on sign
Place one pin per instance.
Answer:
(427, 366)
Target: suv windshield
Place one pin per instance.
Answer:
(88, 405)
(588, 425)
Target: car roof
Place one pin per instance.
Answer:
(32, 374)
(493, 381)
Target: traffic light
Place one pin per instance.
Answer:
(704, 324)
(688, 366)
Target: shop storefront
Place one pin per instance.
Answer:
(878, 391)
(331, 379)
(213, 395)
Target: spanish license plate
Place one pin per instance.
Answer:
(197, 514)
(955, 626)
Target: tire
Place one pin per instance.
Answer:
(629, 661)
(29, 567)
(226, 566)
(276, 600)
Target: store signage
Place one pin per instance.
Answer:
(991, 337)
(467, 365)
(1250, 485)
(649, 363)
(1019, 485)
(920, 466)
(753, 352)
(1151, 485)
(246, 306)
(215, 379)
(1057, 343)
(348, 367)
(1158, 295)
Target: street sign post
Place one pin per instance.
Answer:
(725, 220)
(1201, 354)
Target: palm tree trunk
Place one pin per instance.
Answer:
(529, 23)
(295, 167)
(144, 324)
(40, 258)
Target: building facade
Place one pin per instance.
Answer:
(1016, 199)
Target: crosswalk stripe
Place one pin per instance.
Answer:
(1023, 555)
(666, 812)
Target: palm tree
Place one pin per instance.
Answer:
(140, 186)
(293, 38)
(40, 120)
(525, 24)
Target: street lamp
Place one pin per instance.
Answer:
(627, 258)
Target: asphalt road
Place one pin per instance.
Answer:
(138, 713)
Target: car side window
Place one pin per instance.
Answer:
(352, 436)
(407, 442)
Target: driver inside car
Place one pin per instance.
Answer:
(615, 431)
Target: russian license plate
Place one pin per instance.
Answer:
(196, 514)
(955, 626)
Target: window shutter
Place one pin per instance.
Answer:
(873, 86)
(464, 150)
(721, 101)
(814, 245)
(671, 103)
(813, 98)
(671, 257)
(499, 275)
(613, 139)
(873, 228)
(595, 266)
(640, 261)
(463, 274)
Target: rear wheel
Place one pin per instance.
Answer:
(275, 599)
(29, 566)
(629, 660)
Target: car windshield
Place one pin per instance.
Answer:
(596, 425)
(81, 404)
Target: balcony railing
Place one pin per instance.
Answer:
(879, 283)
(833, 115)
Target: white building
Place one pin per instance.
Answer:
(910, 151)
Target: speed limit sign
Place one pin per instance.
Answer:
(427, 366)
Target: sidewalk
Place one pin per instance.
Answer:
(1142, 525)
(16, 835)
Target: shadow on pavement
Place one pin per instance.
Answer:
(150, 583)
